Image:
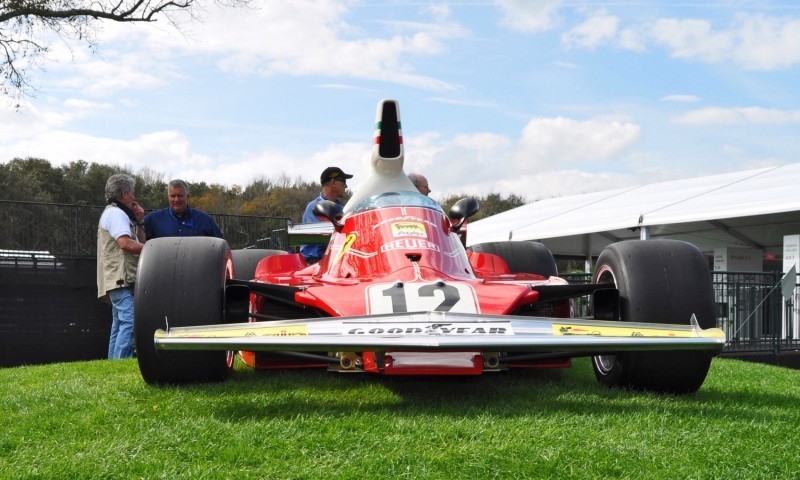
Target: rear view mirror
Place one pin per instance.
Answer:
(461, 211)
(332, 211)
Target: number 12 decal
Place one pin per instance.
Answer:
(421, 297)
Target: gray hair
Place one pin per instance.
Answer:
(117, 184)
(178, 183)
(414, 179)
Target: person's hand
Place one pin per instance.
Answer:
(138, 212)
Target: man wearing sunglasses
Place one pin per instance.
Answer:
(334, 185)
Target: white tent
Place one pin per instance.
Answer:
(751, 209)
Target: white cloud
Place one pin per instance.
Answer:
(487, 143)
(73, 103)
(731, 150)
(169, 150)
(453, 164)
(768, 43)
(242, 170)
(298, 38)
(680, 98)
(738, 116)
(754, 41)
(440, 12)
(312, 38)
(529, 16)
(110, 78)
(561, 183)
(599, 29)
(128, 63)
(693, 39)
(464, 102)
(531, 165)
(480, 163)
(631, 39)
(555, 141)
(33, 122)
(566, 65)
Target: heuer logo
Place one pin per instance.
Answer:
(433, 329)
(410, 244)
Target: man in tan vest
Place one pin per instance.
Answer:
(120, 238)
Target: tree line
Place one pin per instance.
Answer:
(83, 183)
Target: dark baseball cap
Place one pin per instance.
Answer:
(333, 173)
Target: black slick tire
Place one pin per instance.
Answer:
(521, 256)
(245, 261)
(659, 281)
(181, 282)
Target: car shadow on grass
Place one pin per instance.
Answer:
(287, 394)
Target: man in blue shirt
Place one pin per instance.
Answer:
(334, 184)
(179, 219)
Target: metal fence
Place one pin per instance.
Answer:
(70, 231)
(750, 309)
(753, 313)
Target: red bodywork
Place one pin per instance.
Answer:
(399, 254)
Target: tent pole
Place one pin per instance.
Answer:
(587, 249)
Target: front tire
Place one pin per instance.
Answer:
(659, 281)
(181, 281)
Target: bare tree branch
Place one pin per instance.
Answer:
(20, 20)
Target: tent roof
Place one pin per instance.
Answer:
(752, 209)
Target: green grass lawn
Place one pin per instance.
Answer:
(100, 420)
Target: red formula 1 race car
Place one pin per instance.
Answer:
(396, 293)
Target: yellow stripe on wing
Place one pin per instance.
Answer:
(255, 331)
(621, 331)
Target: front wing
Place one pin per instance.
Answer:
(437, 331)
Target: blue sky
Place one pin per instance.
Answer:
(536, 98)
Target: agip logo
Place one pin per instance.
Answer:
(409, 229)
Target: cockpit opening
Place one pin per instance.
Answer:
(414, 257)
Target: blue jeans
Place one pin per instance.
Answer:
(120, 344)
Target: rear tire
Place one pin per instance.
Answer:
(659, 281)
(522, 256)
(245, 261)
(181, 280)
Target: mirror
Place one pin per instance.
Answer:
(461, 211)
(332, 211)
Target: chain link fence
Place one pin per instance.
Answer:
(70, 231)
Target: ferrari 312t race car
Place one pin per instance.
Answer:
(396, 293)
